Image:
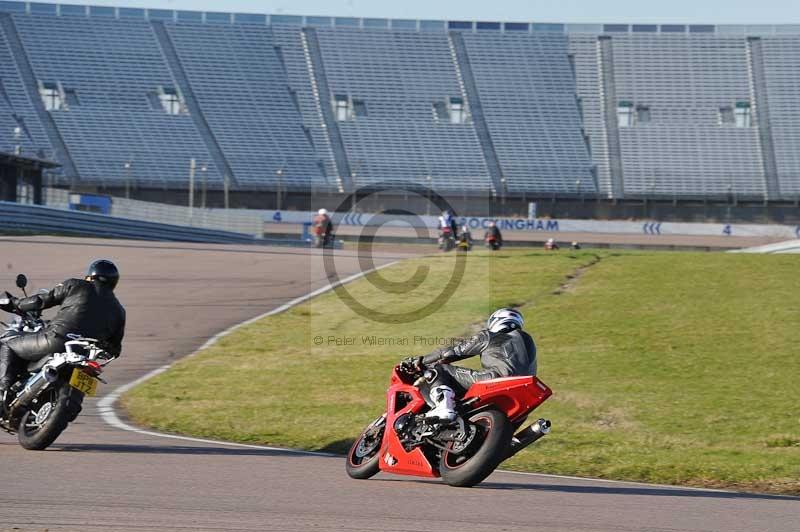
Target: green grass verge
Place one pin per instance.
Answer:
(677, 368)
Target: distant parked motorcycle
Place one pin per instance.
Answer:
(464, 451)
(48, 395)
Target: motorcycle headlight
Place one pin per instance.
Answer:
(402, 423)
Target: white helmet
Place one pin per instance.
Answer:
(505, 320)
(322, 211)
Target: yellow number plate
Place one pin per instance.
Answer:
(83, 382)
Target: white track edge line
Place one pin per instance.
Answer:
(105, 406)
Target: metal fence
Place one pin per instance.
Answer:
(246, 221)
(18, 218)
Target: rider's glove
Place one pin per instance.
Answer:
(106, 355)
(411, 364)
(108, 350)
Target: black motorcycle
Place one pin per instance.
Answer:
(47, 394)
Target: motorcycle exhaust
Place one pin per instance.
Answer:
(528, 435)
(33, 388)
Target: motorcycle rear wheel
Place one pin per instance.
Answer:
(42, 424)
(364, 455)
(482, 455)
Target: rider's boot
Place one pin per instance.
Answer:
(444, 400)
(5, 371)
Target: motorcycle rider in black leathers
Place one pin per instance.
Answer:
(89, 308)
(505, 349)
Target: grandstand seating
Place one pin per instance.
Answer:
(326, 103)
(782, 58)
(289, 39)
(684, 81)
(400, 76)
(583, 49)
(243, 91)
(16, 110)
(528, 94)
(112, 66)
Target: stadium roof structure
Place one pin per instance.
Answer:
(24, 162)
(15, 168)
(216, 17)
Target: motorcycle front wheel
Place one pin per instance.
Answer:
(47, 419)
(364, 456)
(465, 464)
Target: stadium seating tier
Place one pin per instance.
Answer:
(304, 103)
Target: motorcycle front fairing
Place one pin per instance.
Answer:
(403, 398)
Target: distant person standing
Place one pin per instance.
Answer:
(323, 229)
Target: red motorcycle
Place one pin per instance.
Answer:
(492, 243)
(464, 451)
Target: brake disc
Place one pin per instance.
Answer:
(464, 440)
(43, 413)
(367, 445)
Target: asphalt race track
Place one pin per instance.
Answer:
(97, 477)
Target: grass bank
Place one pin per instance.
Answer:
(667, 367)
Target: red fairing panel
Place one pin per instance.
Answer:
(394, 458)
(516, 396)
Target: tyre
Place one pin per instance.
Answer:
(364, 456)
(45, 421)
(486, 447)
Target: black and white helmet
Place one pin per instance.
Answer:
(504, 320)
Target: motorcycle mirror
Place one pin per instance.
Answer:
(22, 281)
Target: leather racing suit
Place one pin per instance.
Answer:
(88, 308)
(503, 354)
